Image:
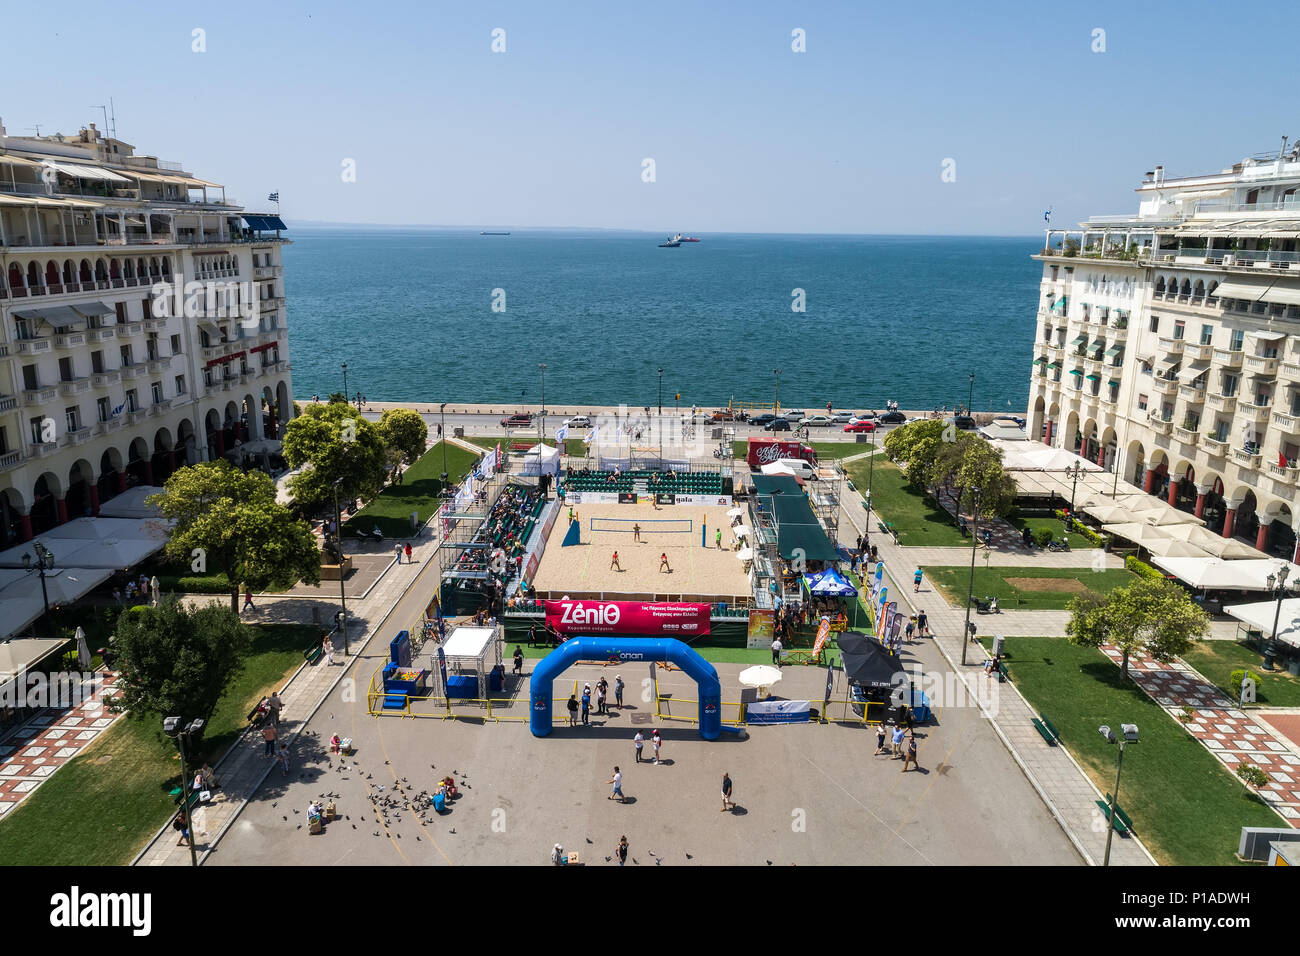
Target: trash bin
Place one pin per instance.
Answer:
(1268, 659)
(458, 432)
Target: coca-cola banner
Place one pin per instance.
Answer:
(663, 619)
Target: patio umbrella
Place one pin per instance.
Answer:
(745, 554)
(1136, 531)
(735, 512)
(83, 650)
(742, 531)
(1173, 548)
(762, 676)
(1105, 513)
(1169, 517)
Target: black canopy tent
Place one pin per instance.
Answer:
(873, 673)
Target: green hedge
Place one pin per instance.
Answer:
(1142, 569)
(1079, 528)
(195, 584)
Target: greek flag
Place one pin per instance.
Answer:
(118, 410)
(562, 432)
(1047, 216)
(274, 197)
(593, 437)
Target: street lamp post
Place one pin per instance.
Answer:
(1277, 584)
(542, 421)
(1073, 473)
(345, 381)
(661, 391)
(970, 588)
(343, 601)
(776, 406)
(442, 428)
(970, 397)
(44, 562)
(1130, 733)
(173, 729)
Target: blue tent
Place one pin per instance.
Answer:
(829, 583)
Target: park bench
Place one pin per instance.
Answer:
(1050, 729)
(313, 652)
(1044, 732)
(189, 805)
(1002, 673)
(1119, 812)
(1120, 821)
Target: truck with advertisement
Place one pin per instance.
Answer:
(764, 451)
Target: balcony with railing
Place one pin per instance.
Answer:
(1159, 423)
(1229, 358)
(1195, 352)
(1192, 394)
(1221, 403)
(105, 379)
(109, 425)
(160, 408)
(79, 436)
(134, 370)
(1247, 457)
(1187, 433)
(1256, 408)
(1286, 473)
(10, 460)
(1171, 345)
(35, 397)
(37, 345)
(1287, 421)
(8, 403)
(74, 386)
(1165, 386)
(1289, 368)
(1214, 446)
(267, 272)
(1261, 364)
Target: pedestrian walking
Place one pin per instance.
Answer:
(922, 624)
(275, 705)
(916, 580)
(248, 600)
(621, 851)
(600, 698)
(880, 738)
(397, 549)
(613, 563)
(910, 755)
(573, 711)
(268, 734)
(718, 538)
(182, 826)
(586, 706)
(727, 803)
(911, 627)
(639, 742)
(617, 781)
(898, 740)
(284, 759)
(603, 686)
(618, 691)
(327, 648)
(776, 651)
(656, 742)
(519, 661)
(408, 552)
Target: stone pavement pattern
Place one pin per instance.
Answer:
(1232, 735)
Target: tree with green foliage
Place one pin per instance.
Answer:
(1156, 618)
(331, 442)
(177, 662)
(229, 520)
(404, 432)
(918, 444)
(969, 462)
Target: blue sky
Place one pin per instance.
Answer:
(746, 135)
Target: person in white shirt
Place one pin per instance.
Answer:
(656, 742)
(776, 651)
(639, 741)
(617, 781)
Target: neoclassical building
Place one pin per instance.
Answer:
(105, 383)
(1168, 345)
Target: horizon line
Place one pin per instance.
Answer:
(338, 224)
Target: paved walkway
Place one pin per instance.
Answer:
(1063, 786)
(1232, 735)
(48, 739)
(244, 767)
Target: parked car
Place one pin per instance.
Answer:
(800, 467)
(842, 418)
(863, 425)
(964, 422)
(794, 414)
(579, 421)
(762, 419)
(777, 425)
(891, 418)
(517, 419)
(816, 421)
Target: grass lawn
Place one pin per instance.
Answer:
(574, 447)
(1186, 807)
(1077, 541)
(421, 484)
(918, 521)
(954, 581)
(101, 808)
(1217, 659)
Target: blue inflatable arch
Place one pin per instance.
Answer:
(626, 650)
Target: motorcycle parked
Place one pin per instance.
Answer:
(1062, 545)
(375, 535)
(988, 606)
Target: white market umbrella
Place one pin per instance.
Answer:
(761, 676)
(1173, 548)
(1111, 513)
(742, 531)
(735, 512)
(745, 554)
(1169, 517)
(83, 650)
(1136, 531)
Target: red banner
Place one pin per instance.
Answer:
(628, 617)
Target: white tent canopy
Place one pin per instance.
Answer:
(21, 601)
(131, 504)
(1215, 544)
(1243, 575)
(1260, 616)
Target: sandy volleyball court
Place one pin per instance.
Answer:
(698, 573)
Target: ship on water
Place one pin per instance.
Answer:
(672, 242)
(486, 233)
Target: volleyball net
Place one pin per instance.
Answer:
(648, 525)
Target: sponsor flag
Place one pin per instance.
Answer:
(562, 432)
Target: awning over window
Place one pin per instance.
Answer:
(1040, 360)
(1093, 378)
(94, 308)
(1258, 290)
(1053, 365)
(85, 172)
(1080, 340)
(1076, 371)
(1168, 361)
(60, 316)
(1267, 335)
(1095, 348)
(1114, 350)
(265, 223)
(1193, 372)
(1114, 382)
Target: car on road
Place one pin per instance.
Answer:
(517, 420)
(891, 418)
(842, 418)
(762, 419)
(964, 422)
(794, 414)
(816, 421)
(579, 421)
(777, 425)
(861, 425)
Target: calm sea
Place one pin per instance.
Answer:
(902, 318)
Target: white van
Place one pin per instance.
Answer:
(800, 467)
